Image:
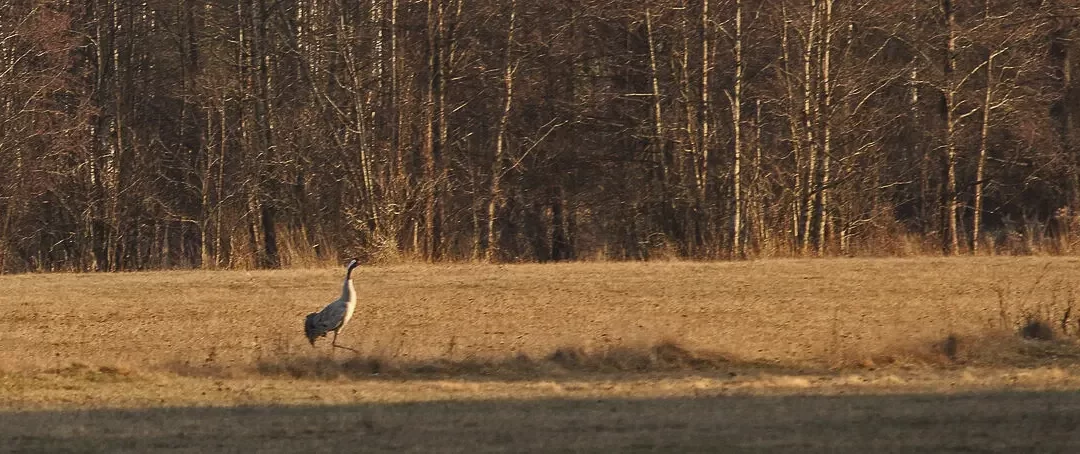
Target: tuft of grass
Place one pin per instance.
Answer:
(950, 347)
(1036, 329)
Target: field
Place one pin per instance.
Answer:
(839, 355)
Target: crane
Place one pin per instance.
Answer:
(335, 315)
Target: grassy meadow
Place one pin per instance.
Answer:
(839, 355)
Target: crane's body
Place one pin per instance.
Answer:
(335, 315)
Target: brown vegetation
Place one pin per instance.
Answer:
(157, 134)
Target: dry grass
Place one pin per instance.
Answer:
(789, 311)
(533, 336)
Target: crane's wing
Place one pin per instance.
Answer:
(328, 319)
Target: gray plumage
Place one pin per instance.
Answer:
(335, 315)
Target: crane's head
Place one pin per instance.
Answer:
(353, 263)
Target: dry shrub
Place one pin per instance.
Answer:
(661, 357)
(994, 349)
(674, 356)
(319, 367)
(568, 357)
(105, 374)
(325, 367)
(1039, 318)
(297, 251)
(888, 238)
(1036, 329)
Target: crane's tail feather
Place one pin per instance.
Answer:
(312, 329)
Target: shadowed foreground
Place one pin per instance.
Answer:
(1044, 422)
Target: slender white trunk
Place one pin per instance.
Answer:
(796, 137)
(980, 167)
(704, 117)
(826, 137)
(809, 119)
(658, 118)
(951, 204)
(736, 123)
(984, 132)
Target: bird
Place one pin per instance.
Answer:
(335, 315)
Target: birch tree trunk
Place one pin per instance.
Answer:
(809, 120)
(1067, 137)
(980, 167)
(687, 158)
(497, 168)
(658, 118)
(950, 205)
(701, 169)
(433, 131)
(660, 149)
(925, 212)
(826, 135)
(793, 122)
(736, 131)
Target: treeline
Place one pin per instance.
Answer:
(261, 133)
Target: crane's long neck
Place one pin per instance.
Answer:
(347, 291)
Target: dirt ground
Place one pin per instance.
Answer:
(839, 355)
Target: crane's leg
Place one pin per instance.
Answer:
(334, 343)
